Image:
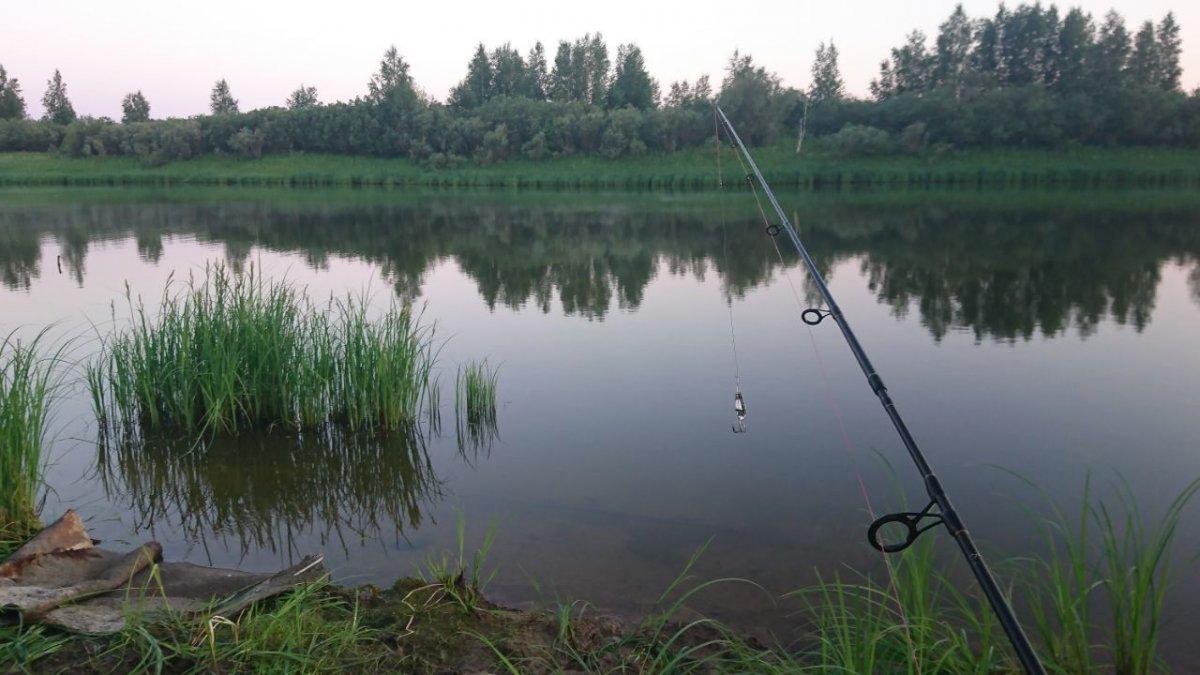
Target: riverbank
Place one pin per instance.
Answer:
(690, 169)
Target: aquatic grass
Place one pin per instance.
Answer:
(462, 579)
(232, 352)
(475, 405)
(1098, 594)
(913, 624)
(29, 382)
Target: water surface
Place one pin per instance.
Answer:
(1047, 334)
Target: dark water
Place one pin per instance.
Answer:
(1040, 333)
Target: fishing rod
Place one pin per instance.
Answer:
(914, 523)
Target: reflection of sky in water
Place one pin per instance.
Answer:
(615, 460)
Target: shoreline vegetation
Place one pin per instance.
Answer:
(1093, 601)
(693, 169)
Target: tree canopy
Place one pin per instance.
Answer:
(58, 108)
(221, 101)
(12, 105)
(135, 108)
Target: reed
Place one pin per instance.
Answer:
(1098, 595)
(475, 406)
(29, 382)
(233, 352)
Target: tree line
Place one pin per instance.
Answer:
(1025, 77)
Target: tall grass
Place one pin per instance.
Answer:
(28, 384)
(920, 623)
(1098, 595)
(232, 352)
(475, 405)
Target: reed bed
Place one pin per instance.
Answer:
(28, 384)
(233, 352)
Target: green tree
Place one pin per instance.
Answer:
(392, 83)
(985, 57)
(476, 87)
(684, 95)
(631, 84)
(1170, 46)
(562, 75)
(751, 98)
(303, 97)
(12, 105)
(826, 78)
(536, 77)
(58, 106)
(1074, 44)
(135, 108)
(1109, 55)
(508, 72)
(1026, 42)
(883, 87)
(912, 65)
(956, 37)
(580, 71)
(595, 67)
(1143, 64)
(221, 101)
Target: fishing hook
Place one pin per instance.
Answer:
(739, 409)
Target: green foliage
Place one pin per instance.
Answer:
(135, 108)
(220, 100)
(12, 105)
(475, 405)
(859, 141)
(581, 71)
(461, 579)
(827, 82)
(303, 97)
(57, 106)
(751, 97)
(631, 84)
(1023, 77)
(247, 143)
(235, 352)
(28, 384)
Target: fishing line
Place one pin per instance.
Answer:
(739, 403)
(827, 385)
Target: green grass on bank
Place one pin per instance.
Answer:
(1096, 602)
(694, 168)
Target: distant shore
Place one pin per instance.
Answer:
(689, 169)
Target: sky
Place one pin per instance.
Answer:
(173, 52)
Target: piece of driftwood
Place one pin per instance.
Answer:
(61, 578)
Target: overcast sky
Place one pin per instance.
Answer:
(174, 51)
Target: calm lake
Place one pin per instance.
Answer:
(1043, 334)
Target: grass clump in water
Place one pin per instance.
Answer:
(475, 405)
(28, 384)
(233, 352)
